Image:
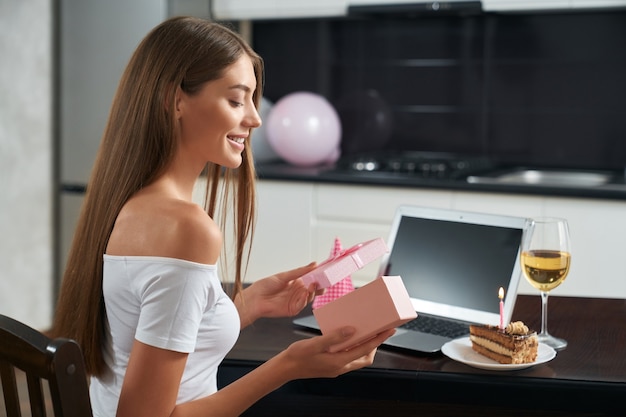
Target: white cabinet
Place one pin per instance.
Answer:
(277, 9)
(538, 5)
(519, 5)
(297, 223)
(592, 4)
(598, 234)
(283, 235)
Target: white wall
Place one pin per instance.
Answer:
(26, 161)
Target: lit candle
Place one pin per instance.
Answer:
(501, 296)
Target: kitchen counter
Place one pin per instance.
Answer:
(614, 189)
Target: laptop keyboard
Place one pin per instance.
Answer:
(438, 326)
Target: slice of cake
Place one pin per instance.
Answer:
(513, 345)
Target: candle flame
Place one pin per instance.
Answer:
(501, 293)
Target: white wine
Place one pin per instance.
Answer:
(545, 269)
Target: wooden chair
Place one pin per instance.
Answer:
(57, 361)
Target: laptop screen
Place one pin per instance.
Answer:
(453, 263)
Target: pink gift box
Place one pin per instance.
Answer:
(334, 269)
(380, 305)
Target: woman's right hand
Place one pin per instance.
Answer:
(312, 358)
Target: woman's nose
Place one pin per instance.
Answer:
(253, 119)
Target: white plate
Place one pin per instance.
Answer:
(461, 350)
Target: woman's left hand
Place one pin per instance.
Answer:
(279, 295)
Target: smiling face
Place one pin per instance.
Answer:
(215, 123)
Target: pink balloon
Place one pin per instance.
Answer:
(304, 129)
(334, 155)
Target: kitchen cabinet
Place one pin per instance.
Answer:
(282, 9)
(298, 221)
(519, 5)
(592, 4)
(522, 5)
(598, 234)
(277, 9)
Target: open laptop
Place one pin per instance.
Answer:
(452, 264)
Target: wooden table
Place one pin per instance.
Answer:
(588, 378)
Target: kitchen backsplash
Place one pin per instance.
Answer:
(536, 89)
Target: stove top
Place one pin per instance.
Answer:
(413, 164)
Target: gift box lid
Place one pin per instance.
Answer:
(337, 267)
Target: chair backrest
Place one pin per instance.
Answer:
(59, 362)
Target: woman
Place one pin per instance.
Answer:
(141, 292)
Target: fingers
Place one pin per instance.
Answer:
(369, 344)
(315, 291)
(338, 336)
(313, 357)
(365, 352)
(310, 294)
(358, 356)
(379, 339)
(299, 301)
(296, 273)
(344, 333)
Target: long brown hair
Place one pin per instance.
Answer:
(137, 146)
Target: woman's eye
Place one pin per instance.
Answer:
(235, 103)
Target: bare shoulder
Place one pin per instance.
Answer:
(165, 227)
(194, 235)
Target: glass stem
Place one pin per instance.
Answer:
(544, 312)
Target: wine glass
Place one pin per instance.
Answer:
(546, 261)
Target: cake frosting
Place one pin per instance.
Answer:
(515, 344)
